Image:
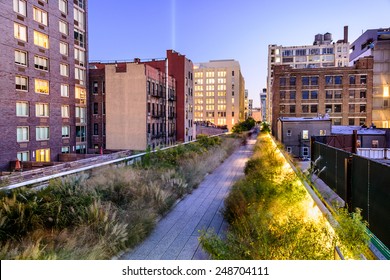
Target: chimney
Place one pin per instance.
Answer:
(346, 34)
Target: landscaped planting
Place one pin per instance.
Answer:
(97, 216)
(271, 216)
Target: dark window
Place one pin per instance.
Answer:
(293, 81)
(314, 94)
(292, 108)
(363, 94)
(104, 108)
(282, 95)
(362, 108)
(363, 79)
(313, 108)
(305, 108)
(314, 81)
(95, 108)
(328, 94)
(305, 81)
(282, 81)
(292, 95)
(95, 129)
(329, 80)
(337, 94)
(351, 121)
(352, 79)
(338, 80)
(328, 108)
(282, 109)
(351, 94)
(95, 87)
(232, 73)
(362, 121)
(337, 108)
(305, 94)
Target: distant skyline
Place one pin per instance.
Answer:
(206, 30)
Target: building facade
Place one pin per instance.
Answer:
(44, 50)
(295, 133)
(219, 93)
(263, 105)
(376, 43)
(132, 106)
(323, 53)
(344, 93)
(180, 68)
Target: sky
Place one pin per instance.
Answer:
(206, 30)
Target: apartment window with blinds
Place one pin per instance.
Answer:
(23, 156)
(41, 40)
(63, 6)
(79, 18)
(64, 48)
(65, 111)
(21, 83)
(42, 110)
(22, 134)
(20, 58)
(65, 131)
(22, 109)
(63, 27)
(64, 70)
(40, 16)
(20, 32)
(64, 90)
(42, 133)
(20, 7)
(41, 63)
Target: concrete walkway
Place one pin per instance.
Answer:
(176, 235)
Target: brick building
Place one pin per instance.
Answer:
(43, 73)
(130, 107)
(345, 93)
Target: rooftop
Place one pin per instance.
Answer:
(304, 119)
(343, 129)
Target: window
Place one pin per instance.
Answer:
(292, 95)
(322, 132)
(337, 108)
(363, 79)
(79, 38)
(42, 155)
(41, 86)
(337, 94)
(374, 143)
(338, 80)
(80, 3)
(362, 121)
(42, 110)
(305, 81)
(64, 90)
(23, 156)
(293, 81)
(65, 131)
(22, 134)
(328, 108)
(42, 133)
(313, 108)
(64, 70)
(64, 48)
(20, 7)
(362, 94)
(351, 108)
(362, 108)
(65, 111)
(80, 114)
(79, 18)
(80, 93)
(282, 94)
(351, 94)
(282, 109)
(20, 32)
(305, 152)
(41, 63)
(79, 55)
(328, 94)
(40, 16)
(22, 109)
(305, 108)
(289, 150)
(79, 75)
(282, 81)
(289, 132)
(352, 79)
(95, 129)
(314, 81)
(21, 58)
(63, 27)
(95, 108)
(351, 121)
(65, 150)
(305, 134)
(21, 83)
(305, 95)
(41, 39)
(63, 6)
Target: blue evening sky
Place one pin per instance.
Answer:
(206, 30)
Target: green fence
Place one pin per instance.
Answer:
(359, 181)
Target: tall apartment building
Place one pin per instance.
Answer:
(43, 73)
(344, 93)
(323, 53)
(219, 93)
(263, 104)
(376, 43)
(180, 68)
(130, 107)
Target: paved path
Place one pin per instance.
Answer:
(176, 235)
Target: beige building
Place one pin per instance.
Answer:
(139, 111)
(219, 93)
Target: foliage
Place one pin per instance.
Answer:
(246, 125)
(271, 216)
(265, 127)
(96, 216)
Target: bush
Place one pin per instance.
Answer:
(246, 125)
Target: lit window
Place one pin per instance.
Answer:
(63, 27)
(64, 48)
(41, 86)
(42, 110)
(322, 132)
(64, 90)
(20, 32)
(374, 143)
(80, 93)
(386, 91)
(42, 133)
(42, 155)
(64, 70)
(221, 73)
(210, 81)
(20, 7)
(305, 134)
(23, 156)
(65, 111)
(41, 63)
(21, 83)
(20, 57)
(41, 39)
(221, 87)
(40, 16)
(22, 109)
(22, 134)
(65, 131)
(63, 6)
